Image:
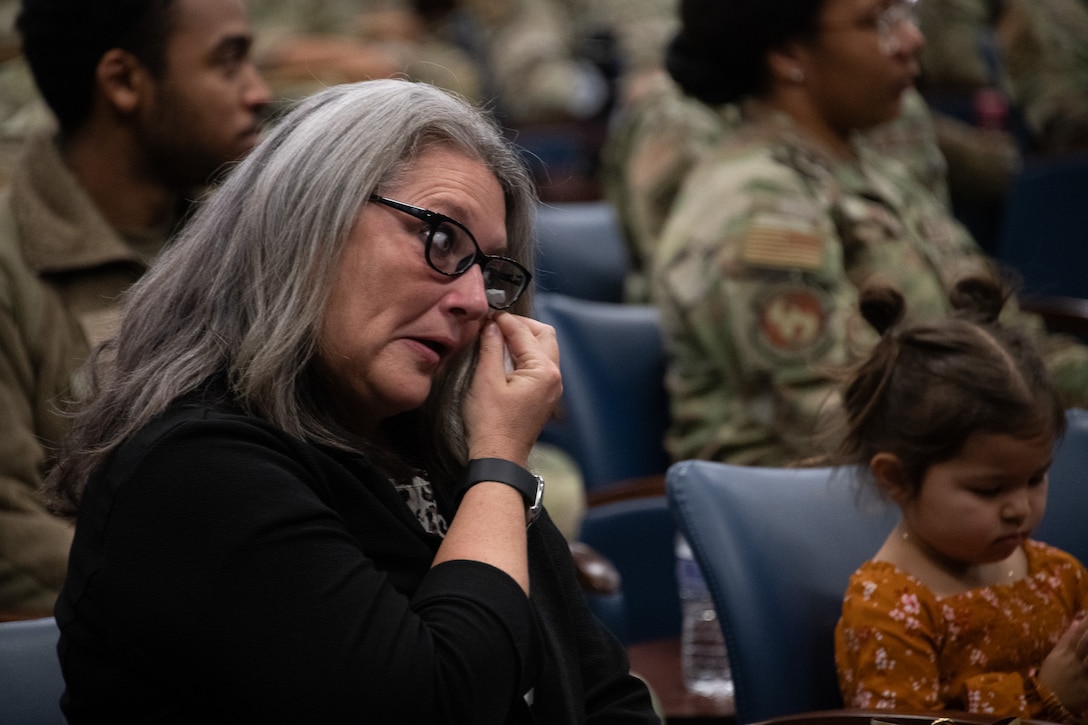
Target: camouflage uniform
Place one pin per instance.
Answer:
(957, 34)
(520, 57)
(653, 145)
(304, 45)
(1035, 51)
(758, 274)
(911, 139)
(642, 30)
(1045, 52)
(532, 57)
(649, 151)
(276, 17)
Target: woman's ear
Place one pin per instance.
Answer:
(787, 64)
(122, 80)
(891, 477)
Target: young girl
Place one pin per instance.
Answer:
(960, 609)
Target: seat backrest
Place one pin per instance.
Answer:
(1067, 494)
(614, 410)
(1044, 234)
(638, 536)
(777, 547)
(31, 683)
(580, 251)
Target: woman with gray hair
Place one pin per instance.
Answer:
(299, 476)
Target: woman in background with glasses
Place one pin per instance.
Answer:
(299, 475)
(774, 233)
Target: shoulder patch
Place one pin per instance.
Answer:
(782, 241)
(791, 320)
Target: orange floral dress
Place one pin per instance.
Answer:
(900, 647)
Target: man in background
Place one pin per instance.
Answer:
(152, 98)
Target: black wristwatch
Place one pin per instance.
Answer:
(500, 470)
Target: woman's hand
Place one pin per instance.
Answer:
(504, 411)
(1065, 669)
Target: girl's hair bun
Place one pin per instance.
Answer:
(882, 306)
(978, 297)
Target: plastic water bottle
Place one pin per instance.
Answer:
(703, 659)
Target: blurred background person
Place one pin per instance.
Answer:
(151, 100)
(345, 518)
(655, 136)
(1009, 79)
(22, 110)
(658, 133)
(966, 147)
(546, 75)
(306, 45)
(523, 59)
(774, 232)
(1044, 46)
(1017, 65)
(534, 56)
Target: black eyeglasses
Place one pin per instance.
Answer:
(452, 250)
(888, 22)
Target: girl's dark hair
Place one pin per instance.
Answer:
(720, 53)
(925, 389)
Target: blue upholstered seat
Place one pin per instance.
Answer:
(1067, 495)
(614, 410)
(637, 536)
(777, 547)
(30, 679)
(1044, 234)
(580, 251)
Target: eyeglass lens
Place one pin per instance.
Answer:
(503, 282)
(452, 250)
(891, 22)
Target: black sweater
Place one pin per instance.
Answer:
(223, 571)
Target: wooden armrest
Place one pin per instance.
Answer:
(1061, 314)
(11, 616)
(623, 490)
(596, 574)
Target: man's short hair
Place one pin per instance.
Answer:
(64, 40)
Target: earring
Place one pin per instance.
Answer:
(797, 75)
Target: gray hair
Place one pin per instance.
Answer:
(242, 291)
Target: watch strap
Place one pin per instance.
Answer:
(499, 470)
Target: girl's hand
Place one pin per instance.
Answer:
(1065, 669)
(504, 411)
